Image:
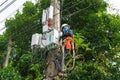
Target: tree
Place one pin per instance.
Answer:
(3, 48)
(97, 40)
(10, 73)
(99, 29)
(24, 25)
(21, 28)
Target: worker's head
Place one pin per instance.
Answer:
(65, 28)
(65, 25)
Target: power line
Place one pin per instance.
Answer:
(23, 32)
(8, 17)
(62, 11)
(67, 3)
(67, 16)
(78, 11)
(2, 29)
(73, 5)
(7, 6)
(11, 14)
(3, 2)
(74, 13)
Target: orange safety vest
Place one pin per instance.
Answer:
(68, 41)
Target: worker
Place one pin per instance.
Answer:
(66, 42)
(66, 38)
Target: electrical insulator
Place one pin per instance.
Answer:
(50, 10)
(52, 37)
(35, 40)
(44, 17)
(45, 28)
(42, 41)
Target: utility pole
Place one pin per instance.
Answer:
(49, 39)
(56, 14)
(51, 69)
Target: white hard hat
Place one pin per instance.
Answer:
(63, 25)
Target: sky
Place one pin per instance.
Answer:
(114, 6)
(7, 12)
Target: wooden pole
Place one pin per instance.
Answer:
(56, 17)
(51, 68)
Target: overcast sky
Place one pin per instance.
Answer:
(114, 4)
(7, 12)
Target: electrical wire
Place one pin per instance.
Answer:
(11, 13)
(24, 32)
(76, 12)
(66, 17)
(7, 5)
(67, 4)
(3, 2)
(72, 6)
(8, 17)
(24, 35)
(2, 29)
(37, 28)
(70, 15)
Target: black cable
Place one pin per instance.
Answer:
(7, 6)
(2, 29)
(23, 32)
(68, 15)
(10, 14)
(76, 12)
(63, 10)
(3, 2)
(67, 4)
(72, 6)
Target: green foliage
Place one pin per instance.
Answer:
(29, 9)
(3, 43)
(30, 67)
(9, 73)
(24, 25)
(88, 71)
(24, 64)
(35, 71)
(97, 41)
(79, 41)
(45, 3)
(115, 73)
(3, 48)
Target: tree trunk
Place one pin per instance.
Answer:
(8, 52)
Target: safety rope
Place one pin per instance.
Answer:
(73, 58)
